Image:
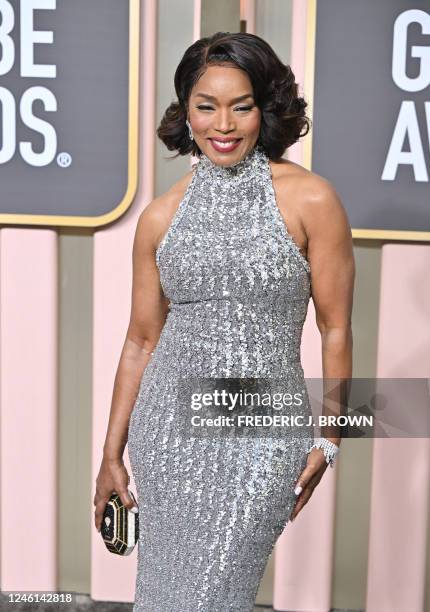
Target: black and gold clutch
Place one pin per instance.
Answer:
(120, 526)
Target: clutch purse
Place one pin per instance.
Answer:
(120, 526)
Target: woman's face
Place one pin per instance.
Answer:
(223, 115)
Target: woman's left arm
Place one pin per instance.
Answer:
(331, 258)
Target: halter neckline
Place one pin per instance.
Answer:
(244, 168)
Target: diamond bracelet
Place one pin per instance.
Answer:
(329, 448)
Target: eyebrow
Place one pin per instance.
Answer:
(213, 99)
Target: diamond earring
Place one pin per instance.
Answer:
(190, 131)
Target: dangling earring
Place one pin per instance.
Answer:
(190, 131)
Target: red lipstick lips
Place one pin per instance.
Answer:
(225, 145)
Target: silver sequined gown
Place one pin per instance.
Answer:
(211, 510)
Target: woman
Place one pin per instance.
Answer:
(220, 291)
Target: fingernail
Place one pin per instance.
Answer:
(135, 509)
(298, 490)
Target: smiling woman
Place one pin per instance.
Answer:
(228, 128)
(249, 94)
(238, 288)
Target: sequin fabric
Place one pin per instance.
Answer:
(211, 509)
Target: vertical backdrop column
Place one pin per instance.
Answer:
(401, 466)
(28, 404)
(113, 577)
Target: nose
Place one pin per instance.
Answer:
(224, 122)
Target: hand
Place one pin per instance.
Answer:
(113, 477)
(309, 478)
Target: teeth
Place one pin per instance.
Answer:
(224, 144)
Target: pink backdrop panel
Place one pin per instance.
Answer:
(28, 402)
(113, 577)
(401, 466)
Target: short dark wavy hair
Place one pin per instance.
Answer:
(283, 117)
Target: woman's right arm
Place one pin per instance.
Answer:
(149, 308)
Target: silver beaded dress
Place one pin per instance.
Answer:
(212, 508)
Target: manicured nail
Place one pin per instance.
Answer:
(135, 509)
(298, 490)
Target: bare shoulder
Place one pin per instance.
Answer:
(313, 197)
(310, 185)
(322, 209)
(158, 214)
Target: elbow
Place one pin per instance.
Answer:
(336, 333)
